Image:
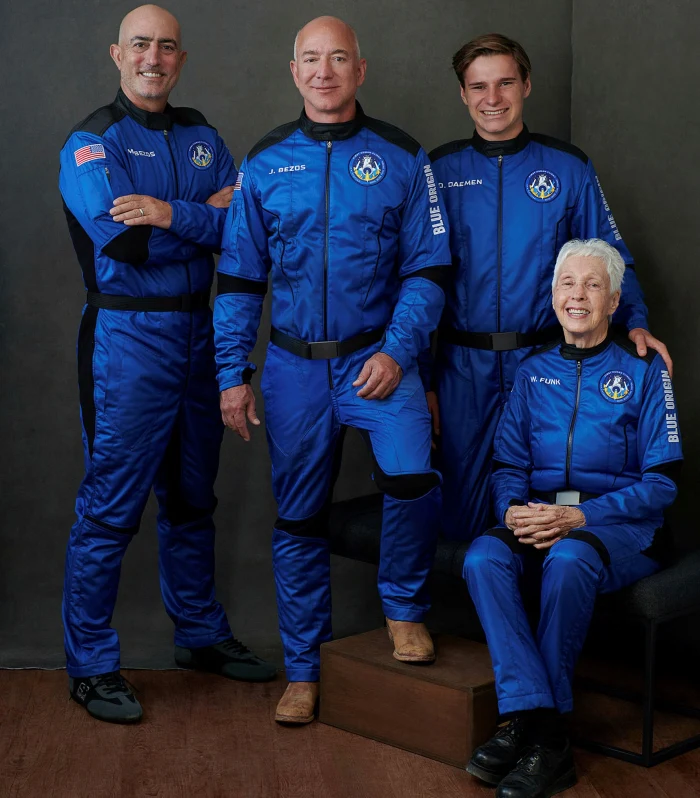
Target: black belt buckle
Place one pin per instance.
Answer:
(324, 350)
(505, 341)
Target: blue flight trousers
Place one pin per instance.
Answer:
(307, 404)
(531, 671)
(150, 418)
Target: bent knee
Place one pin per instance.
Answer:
(485, 551)
(577, 554)
(315, 526)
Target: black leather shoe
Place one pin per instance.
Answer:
(106, 697)
(493, 760)
(229, 658)
(540, 773)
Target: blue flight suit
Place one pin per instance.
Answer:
(346, 220)
(512, 205)
(601, 422)
(148, 392)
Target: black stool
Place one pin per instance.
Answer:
(672, 593)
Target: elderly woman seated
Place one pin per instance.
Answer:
(585, 463)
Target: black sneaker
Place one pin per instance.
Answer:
(229, 658)
(495, 759)
(106, 697)
(542, 772)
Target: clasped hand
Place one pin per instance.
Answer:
(542, 525)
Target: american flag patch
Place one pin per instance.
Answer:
(239, 182)
(89, 153)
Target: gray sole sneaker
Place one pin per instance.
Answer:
(106, 697)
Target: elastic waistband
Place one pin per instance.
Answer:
(185, 303)
(566, 498)
(324, 350)
(498, 341)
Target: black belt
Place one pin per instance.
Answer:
(324, 350)
(567, 498)
(498, 341)
(185, 303)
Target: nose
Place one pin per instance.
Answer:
(153, 54)
(578, 292)
(324, 70)
(493, 96)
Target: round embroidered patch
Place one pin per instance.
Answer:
(542, 185)
(367, 168)
(617, 386)
(201, 154)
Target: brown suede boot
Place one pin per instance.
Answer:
(412, 641)
(298, 703)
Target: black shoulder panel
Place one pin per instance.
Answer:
(449, 148)
(621, 339)
(188, 117)
(557, 144)
(274, 137)
(99, 120)
(542, 349)
(392, 134)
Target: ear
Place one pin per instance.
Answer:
(183, 58)
(463, 95)
(614, 302)
(116, 52)
(295, 74)
(361, 71)
(528, 88)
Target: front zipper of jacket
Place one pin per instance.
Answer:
(329, 149)
(570, 439)
(187, 265)
(499, 268)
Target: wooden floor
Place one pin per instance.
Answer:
(206, 737)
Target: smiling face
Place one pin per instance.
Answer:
(327, 70)
(582, 300)
(148, 56)
(494, 93)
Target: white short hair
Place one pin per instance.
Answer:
(593, 248)
(354, 36)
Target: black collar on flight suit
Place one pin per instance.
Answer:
(335, 131)
(148, 119)
(492, 149)
(571, 352)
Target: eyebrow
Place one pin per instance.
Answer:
(317, 52)
(150, 39)
(498, 80)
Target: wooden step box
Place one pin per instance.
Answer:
(442, 711)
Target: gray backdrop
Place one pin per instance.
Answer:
(629, 104)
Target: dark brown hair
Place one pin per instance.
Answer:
(490, 44)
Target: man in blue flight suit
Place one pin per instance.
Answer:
(343, 211)
(513, 199)
(145, 189)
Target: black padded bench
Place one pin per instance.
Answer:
(672, 593)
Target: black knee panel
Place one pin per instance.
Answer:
(179, 512)
(405, 487)
(593, 540)
(316, 526)
(507, 536)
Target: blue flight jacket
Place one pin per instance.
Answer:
(602, 421)
(175, 156)
(348, 221)
(512, 205)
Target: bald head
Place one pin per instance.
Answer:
(149, 56)
(329, 25)
(148, 17)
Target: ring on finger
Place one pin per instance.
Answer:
(142, 212)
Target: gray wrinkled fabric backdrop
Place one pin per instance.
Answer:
(622, 82)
